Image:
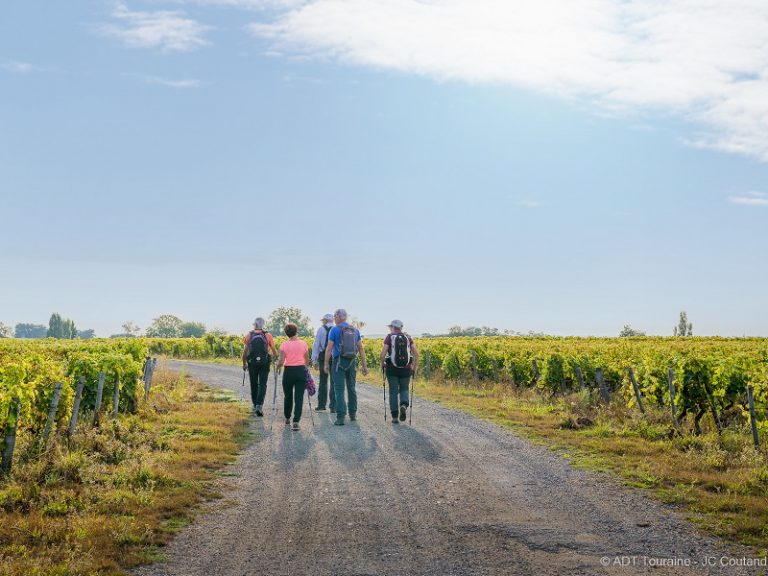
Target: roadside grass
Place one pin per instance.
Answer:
(110, 498)
(719, 482)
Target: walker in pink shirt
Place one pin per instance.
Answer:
(293, 351)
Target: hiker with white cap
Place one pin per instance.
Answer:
(341, 362)
(258, 351)
(318, 361)
(400, 359)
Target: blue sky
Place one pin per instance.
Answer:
(452, 162)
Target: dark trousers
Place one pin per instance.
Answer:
(258, 376)
(323, 389)
(294, 385)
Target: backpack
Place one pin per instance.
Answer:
(348, 342)
(258, 349)
(322, 348)
(400, 350)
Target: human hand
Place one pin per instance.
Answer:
(245, 367)
(364, 370)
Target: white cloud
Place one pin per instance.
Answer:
(750, 199)
(169, 31)
(19, 67)
(170, 83)
(705, 61)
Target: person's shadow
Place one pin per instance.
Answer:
(410, 441)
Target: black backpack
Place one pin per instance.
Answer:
(258, 349)
(399, 350)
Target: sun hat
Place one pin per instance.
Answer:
(328, 318)
(396, 324)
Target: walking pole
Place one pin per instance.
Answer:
(274, 402)
(311, 416)
(410, 412)
(384, 388)
(242, 390)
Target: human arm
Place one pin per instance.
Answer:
(280, 360)
(245, 355)
(415, 357)
(271, 344)
(316, 349)
(363, 361)
(384, 354)
(306, 358)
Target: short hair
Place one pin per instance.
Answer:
(341, 314)
(291, 330)
(259, 323)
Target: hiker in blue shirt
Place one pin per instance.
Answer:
(341, 363)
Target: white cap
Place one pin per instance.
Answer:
(396, 324)
(328, 318)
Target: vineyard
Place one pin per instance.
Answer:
(41, 377)
(696, 378)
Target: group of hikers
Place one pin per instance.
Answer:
(335, 353)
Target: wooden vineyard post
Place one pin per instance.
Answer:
(753, 417)
(580, 378)
(10, 438)
(637, 390)
(116, 397)
(474, 365)
(429, 364)
(536, 372)
(231, 350)
(99, 393)
(76, 406)
(671, 380)
(52, 413)
(151, 363)
(601, 383)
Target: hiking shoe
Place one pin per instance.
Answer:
(319, 409)
(338, 422)
(395, 420)
(259, 413)
(295, 427)
(352, 416)
(287, 421)
(403, 413)
(333, 410)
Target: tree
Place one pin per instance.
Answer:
(86, 334)
(165, 326)
(61, 328)
(5, 331)
(284, 315)
(357, 323)
(628, 331)
(192, 330)
(130, 329)
(216, 331)
(683, 328)
(30, 331)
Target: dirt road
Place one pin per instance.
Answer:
(450, 495)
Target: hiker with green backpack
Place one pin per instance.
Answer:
(325, 393)
(345, 343)
(399, 360)
(258, 351)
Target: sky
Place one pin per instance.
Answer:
(557, 166)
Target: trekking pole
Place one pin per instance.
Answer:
(311, 416)
(410, 412)
(242, 390)
(384, 388)
(274, 402)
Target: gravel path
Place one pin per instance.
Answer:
(451, 495)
